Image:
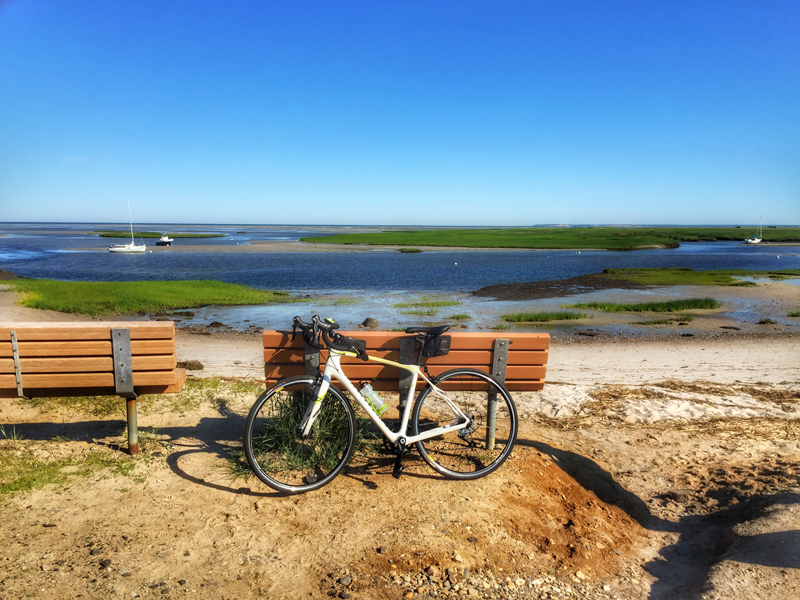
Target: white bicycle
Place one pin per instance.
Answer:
(302, 431)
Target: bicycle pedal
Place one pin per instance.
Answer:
(398, 471)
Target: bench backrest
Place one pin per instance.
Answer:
(525, 362)
(76, 359)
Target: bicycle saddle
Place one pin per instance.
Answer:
(434, 331)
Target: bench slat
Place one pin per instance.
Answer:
(86, 364)
(140, 330)
(460, 358)
(368, 371)
(87, 380)
(90, 348)
(389, 340)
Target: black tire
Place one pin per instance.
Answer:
(278, 456)
(469, 453)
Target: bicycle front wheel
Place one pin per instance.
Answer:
(485, 443)
(286, 461)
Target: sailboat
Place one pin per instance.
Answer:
(131, 248)
(756, 239)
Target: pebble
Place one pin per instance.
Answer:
(124, 572)
(489, 586)
(95, 551)
(346, 580)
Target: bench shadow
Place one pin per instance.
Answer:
(593, 477)
(683, 568)
(215, 435)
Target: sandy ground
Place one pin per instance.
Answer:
(645, 469)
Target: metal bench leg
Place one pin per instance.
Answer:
(133, 428)
(499, 361)
(123, 382)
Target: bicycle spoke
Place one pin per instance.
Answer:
(485, 443)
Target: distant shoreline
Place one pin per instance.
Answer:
(285, 246)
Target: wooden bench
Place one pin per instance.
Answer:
(517, 359)
(127, 359)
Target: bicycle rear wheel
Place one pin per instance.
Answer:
(279, 456)
(485, 443)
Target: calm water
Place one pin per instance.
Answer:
(48, 251)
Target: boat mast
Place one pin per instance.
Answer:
(130, 220)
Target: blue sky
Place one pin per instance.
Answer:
(428, 113)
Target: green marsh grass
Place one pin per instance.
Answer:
(685, 276)
(130, 297)
(542, 317)
(605, 238)
(426, 302)
(767, 321)
(461, 317)
(669, 306)
(794, 313)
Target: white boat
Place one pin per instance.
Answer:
(165, 240)
(131, 248)
(756, 239)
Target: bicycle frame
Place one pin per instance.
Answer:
(333, 370)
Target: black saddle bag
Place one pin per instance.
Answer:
(436, 346)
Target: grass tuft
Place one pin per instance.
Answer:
(670, 306)
(542, 317)
(431, 312)
(671, 321)
(13, 435)
(794, 313)
(346, 301)
(25, 468)
(767, 321)
(460, 317)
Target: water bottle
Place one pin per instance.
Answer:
(377, 403)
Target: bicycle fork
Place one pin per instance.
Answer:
(320, 389)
